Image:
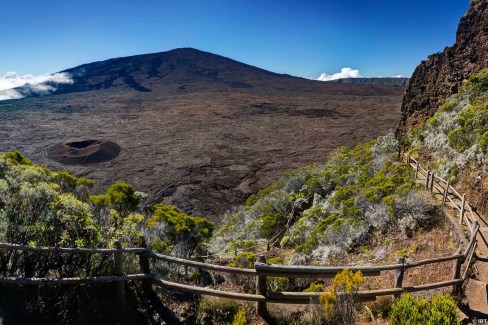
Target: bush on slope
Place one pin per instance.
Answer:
(322, 209)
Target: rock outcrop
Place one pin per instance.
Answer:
(442, 74)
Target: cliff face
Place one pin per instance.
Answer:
(442, 74)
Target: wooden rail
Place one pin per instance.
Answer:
(262, 270)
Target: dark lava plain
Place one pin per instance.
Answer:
(197, 130)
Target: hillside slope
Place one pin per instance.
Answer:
(443, 114)
(455, 140)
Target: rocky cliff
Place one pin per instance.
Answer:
(442, 74)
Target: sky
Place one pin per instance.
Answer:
(307, 38)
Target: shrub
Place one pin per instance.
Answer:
(243, 260)
(280, 284)
(315, 287)
(217, 311)
(381, 308)
(240, 318)
(342, 299)
(407, 310)
(443, 311)
(182, 234)
(275, 260)
(477, 87)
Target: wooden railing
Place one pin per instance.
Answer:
(262, 271)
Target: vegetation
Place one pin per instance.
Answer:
(175, 232)
(342, 300)
(441, 310)
(456, 137)
(219, 311)
(39, 206)
(320, 210)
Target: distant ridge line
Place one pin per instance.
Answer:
(385, 81)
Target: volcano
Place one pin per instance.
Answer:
(198, 130)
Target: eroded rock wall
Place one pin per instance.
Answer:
(442, 74)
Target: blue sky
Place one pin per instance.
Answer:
(302, 38)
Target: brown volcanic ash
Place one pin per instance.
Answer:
(441, 76)
(197, 130)
(83, 152)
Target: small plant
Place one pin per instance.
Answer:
(342, 300)
(240, 318)
(403, 253)
(314, 287)
(243, 260)
(381, 307)
(275, 260)
(415, 248)
(279, 283)
(217, 311)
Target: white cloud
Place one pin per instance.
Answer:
(399, 76)
(41, 84)
(345, 73)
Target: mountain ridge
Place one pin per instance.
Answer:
(388, 81)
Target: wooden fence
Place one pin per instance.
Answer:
(262, 271)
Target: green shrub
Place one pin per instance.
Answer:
(342, 300)
(279, 284)
(315, 287)
(180, 230)
(275, 260)
(443, 311)
(483, 143)
(240, 318)
(217, 311)
(17, 158)
(243, 260)
(407, 310)
(477, 87)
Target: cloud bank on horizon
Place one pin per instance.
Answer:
(348, 73)
(345, 73)
(40, 85)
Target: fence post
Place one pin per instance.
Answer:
(473, 225)
(119, 270)
(399, 274)
(461, 213)
(432, 182)
(427, 180)
(261, 289)
(143, 259)
(446, 192)
(417, 169)
(456, 273)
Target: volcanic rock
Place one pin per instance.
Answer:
(84, 152)
(198, 130)
(443, 73)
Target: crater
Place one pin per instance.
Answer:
(85, 152)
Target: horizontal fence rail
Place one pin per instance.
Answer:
(262, 270)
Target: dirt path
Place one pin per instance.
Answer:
(476, 287)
